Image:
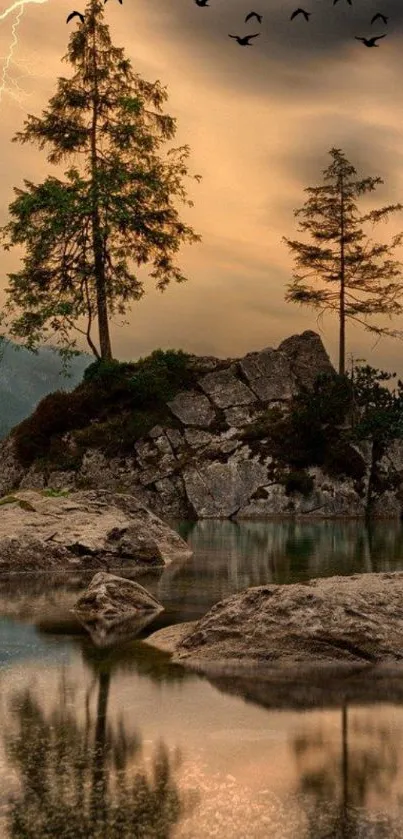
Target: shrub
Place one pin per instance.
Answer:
(113, 393)
(261, 428)
(298, 440)
(100, 371)
(159, 377)
(302, 437)
(378, 410)
(56, 413)
(342, 459)
(118, 434)
(299, 481)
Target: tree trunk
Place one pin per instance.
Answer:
(99, 772)
(342, 315)
(102, 303)
(99, 265)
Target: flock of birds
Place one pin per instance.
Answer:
(244, 40)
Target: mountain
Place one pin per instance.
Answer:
(25, 378)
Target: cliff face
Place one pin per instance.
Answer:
(210, 462)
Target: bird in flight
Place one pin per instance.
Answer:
(201, 2)
(244, 42)
(253, 14)
(370, 42)
(300, 12)
(73, 14)
(380, 16)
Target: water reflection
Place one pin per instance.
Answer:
(86, 781)
(293, 550)
(228, 557)
(339, 780)
(77, 761)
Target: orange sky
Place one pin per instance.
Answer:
(260, 123)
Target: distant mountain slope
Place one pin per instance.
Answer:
(26, 378)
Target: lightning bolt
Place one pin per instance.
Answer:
(17, 93)
(17, 5)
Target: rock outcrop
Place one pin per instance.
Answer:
(214, 461)
(113, 608)
(83, 530)
(348, 621)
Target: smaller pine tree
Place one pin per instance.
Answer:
(357, 278)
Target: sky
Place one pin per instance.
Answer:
(260, 122)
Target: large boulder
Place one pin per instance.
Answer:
(226, 390)
(334, 622)
(220, 489)
(83, 530)
(307, 356)
(269, 374)
(113, 608)
(192, 408)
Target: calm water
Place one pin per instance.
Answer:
(121, 743)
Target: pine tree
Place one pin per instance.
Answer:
(80, 233)
(357, 277)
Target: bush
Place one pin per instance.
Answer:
(298, 440)
(302, 438)
(100, 370)
(378, 410)
(118, 434)
(261, 428)
(57, 413)
(342, 459)
(299, 481)
(159, 377)
(124, 398)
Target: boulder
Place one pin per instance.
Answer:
(334, 622)
(83, 530)
(242, 415)
(269, 374)
(197, 438)
(192, 408)
(114, 609)
(220, 489)
(226, 390)
(307, 357)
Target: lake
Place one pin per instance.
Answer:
(122, 743)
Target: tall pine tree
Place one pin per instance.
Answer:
(357, 277)
(82, 233)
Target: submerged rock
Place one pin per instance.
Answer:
(83, 530)
(115, 609)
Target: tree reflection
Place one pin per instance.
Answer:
(336, 783)
(86, 780)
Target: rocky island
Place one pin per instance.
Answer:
(213, 442)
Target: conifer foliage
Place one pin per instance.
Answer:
(86, 236)
(357, 278)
